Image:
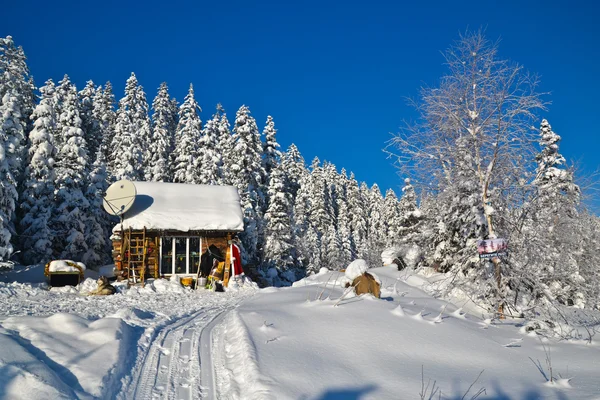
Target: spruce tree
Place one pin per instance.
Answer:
(246, 173)
(271, 153)
(11, 131)
(209, 159)
(295, 169)
(163, 134)
(344, 220)
(17, 100)
(357, 213)
(132, 134)
(278, 249)
(89, 124)
(37, 198)
(97, 223)
(391, 217)
(376, 229)
(187, 138)
(554, 228)
(410, 216)
(68, 221)
(104, 114)
(224, 144)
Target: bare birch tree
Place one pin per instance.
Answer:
(473, 140)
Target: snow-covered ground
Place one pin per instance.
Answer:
(140, 343)
(302, 342)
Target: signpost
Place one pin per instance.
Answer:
(492, 248)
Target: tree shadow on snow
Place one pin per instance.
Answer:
(347, 394)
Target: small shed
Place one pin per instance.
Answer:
(170, 226)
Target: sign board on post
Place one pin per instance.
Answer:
(492, 248)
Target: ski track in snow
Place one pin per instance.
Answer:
(171, 366)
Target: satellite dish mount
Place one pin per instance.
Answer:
(119, 198)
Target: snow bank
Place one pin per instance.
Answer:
(183, 207)
(241, 378)
(26, 377)
(66, 266)
(92, 352)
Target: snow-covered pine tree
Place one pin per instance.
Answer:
(16, 109)
(271, 153)
(307, 242)
(554, 228)
(410, 217)
(295, 169)
(278, 249)
(68, 221)
(37, 198)
(343, 220)
(209, 159)
(175, 113)
(357, 212)
(224, 144)
(377, 229)
(163, 134)
(97, 223)
(16, 106)
(332, 256)
(132, 134)
(187, 139)
(104, 113)
(12, 131)
(246, 173)
(391, 218)
(89, 124)
(459, 217)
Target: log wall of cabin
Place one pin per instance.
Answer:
(219, 239)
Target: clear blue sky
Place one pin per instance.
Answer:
(334, 75)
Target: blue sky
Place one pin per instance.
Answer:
(334, 75)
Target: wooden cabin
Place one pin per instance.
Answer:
(170, 226)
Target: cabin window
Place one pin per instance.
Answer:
(166, 259)
(180, 255)
(194, 254)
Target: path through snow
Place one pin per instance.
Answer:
(172, 366)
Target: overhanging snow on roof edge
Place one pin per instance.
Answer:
(184, 207)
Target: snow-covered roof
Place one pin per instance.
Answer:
(183, 207)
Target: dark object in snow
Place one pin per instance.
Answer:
(218, 287)
(209, 257)
(400, 263)
(365, 283)
(59, 279)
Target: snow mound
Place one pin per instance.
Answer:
(356, 268)
(410, 254)
(92, 351)
(26, 377)
(66, 266)
(239, 282)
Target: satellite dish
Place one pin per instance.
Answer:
(119, 197)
